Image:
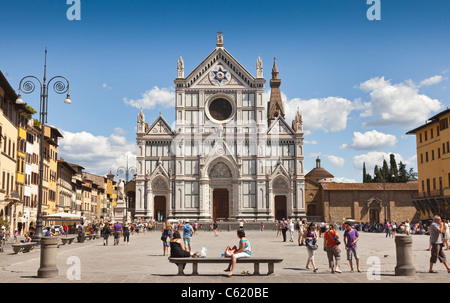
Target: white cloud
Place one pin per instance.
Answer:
(344, 180)
(313, 142)
(400, 104)
(106, 86)
(97, 154)
(336, 161)
(328, 114)
(374, 158)
(162, 97)
(371, 140)
(431, 81)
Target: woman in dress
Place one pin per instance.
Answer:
(310, 239)
(244, 251)
(177, 248)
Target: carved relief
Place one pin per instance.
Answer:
(220, 170)
(280, 183)
(159, 184)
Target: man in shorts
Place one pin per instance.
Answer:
(351, 236)
(437, 246)
(187, 234)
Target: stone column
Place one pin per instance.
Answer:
(405, 265)
(48, 258)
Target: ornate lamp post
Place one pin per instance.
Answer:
(27, 86)
(127, 170)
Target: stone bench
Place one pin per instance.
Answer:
(181, 263)
(23, 247)
(92, 236)
(66, 240)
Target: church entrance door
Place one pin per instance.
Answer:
(280, 207)
(160, 208)
(220, 203)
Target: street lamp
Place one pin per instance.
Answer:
(27, 86)
(126, 170)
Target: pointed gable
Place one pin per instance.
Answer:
(220, 69)
(160, 127)
(280, 126)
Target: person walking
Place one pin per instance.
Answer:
(106, 233)
(126, 233)
(187, 235)
(446, 234)
(195, 228)
(291, 230)
(166, 235)
(394, 229)
(437, 244)
(331, 243)
(301, 232)
(311, 244)
(117, 230)
(351, 236)
(284, 228)
(407, 227)
(215, 228)
(388, 229)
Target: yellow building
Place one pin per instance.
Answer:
(433, 164)
(111, 195)
(51, 165)
(9, 202)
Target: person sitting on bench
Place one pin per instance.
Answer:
(177, 249)
(244, 251)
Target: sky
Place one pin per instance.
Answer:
(360, 84)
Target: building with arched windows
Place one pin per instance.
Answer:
(228, 155)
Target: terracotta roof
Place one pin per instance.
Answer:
(319, 172)
(412, 185)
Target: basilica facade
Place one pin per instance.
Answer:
(229, 154)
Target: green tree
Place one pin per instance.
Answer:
(377, 178)
(393, 169)
(385, 172)
(402, 173)
(412, 176)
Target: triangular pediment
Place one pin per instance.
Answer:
(220, 69)
(279, 170)
(280, 127)
(160, 127)
(159, 171)
(220, 150)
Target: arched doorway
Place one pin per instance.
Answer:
(280, 207)
(160, 208)
(220, 203)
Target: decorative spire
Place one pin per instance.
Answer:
(219, 39)
(275, 69)
(276, 108)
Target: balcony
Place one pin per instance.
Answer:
(433, 193)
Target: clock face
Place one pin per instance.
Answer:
(220, 109)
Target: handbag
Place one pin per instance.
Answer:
(312, 245)
(335, 238)
(230, 251)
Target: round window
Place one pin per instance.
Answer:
(220, 109)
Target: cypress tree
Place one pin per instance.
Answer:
(394, 176)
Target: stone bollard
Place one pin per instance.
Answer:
(48, 258)
(405, 265)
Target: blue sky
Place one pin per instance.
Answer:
(360, 84)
